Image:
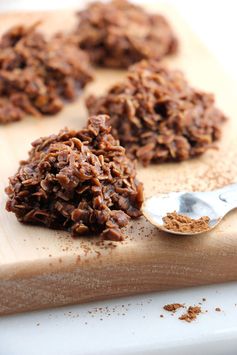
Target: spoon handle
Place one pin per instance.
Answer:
(228, 194)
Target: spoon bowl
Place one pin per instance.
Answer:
(213, 204)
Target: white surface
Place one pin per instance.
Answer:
(140, 330)
(128, 326)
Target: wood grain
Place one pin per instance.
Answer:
(42, 268)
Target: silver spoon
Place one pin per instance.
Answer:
(214, 204)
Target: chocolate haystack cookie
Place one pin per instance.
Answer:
(38, 75)
(157, 116)
(80, 181)
(118, 33)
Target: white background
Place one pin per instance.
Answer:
(138, 329)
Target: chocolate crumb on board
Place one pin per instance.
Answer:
(37, 75)
(173, 307)
(158, 116)
(119, 33)
(80, 181)
(191, 314)
(180, 223)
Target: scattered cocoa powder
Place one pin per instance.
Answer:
(37, 75)
(79, 181)
(158, 116)
(191, 314)
(184, 224)
(172, 307)
(118, 33)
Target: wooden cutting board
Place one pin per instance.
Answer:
(41, 268)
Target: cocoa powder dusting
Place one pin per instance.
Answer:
(184, 224)
(37, 75)
(158, 116)
(80, 181)
(118, 33)
(191, 314)
(172, 307)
